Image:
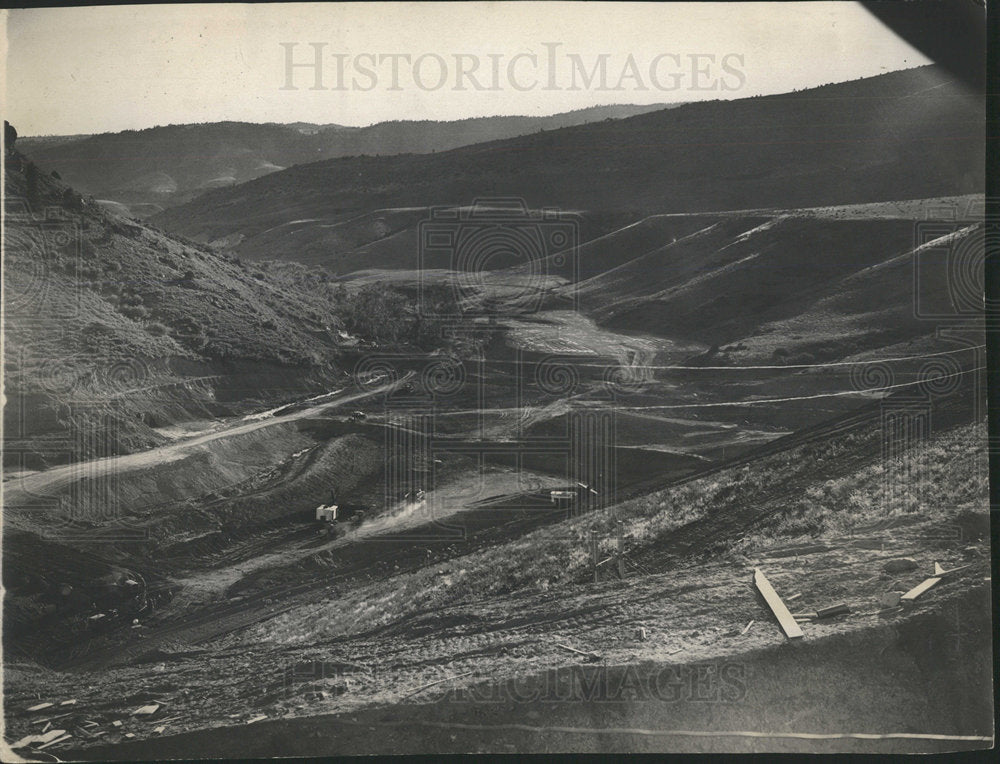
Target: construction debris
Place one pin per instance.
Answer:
(116, 723)
(640, 634)
(591, 656)
(795, 596)
(747, 628)
(829, 612)
(44, 738)
(65, 737)
(146, 710)
(45, 719)
(68, 702)
(431, 684)
(40, 707)
(159, 730)
(916, 591)
(940, 572)
(785, 619)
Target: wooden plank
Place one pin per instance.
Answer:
(57, 741)
(574, 650)
(916, 591)
(788, 624)
(942, 573)
(431, 684)
(829, 612)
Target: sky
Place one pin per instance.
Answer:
(89, 70)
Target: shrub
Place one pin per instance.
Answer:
(71, 200)
(135, 312)
(156, 329)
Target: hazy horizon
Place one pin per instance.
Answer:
(337, 124)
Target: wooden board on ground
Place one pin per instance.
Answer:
(916, 591)
(940, 572)
(787, 623)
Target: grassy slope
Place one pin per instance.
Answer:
(117, 317)
(887, 137)
(722, 283)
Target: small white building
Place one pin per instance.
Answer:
(327, 513)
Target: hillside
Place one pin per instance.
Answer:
(159, 167)
(904, 135)
(117, 327)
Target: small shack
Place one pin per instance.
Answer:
(562, 498)
(327, 513)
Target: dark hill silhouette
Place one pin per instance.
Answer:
(909, 134)
(159, 167)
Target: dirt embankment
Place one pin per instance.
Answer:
(915, 683)
(160, 513)
(131, 413)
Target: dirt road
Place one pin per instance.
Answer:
(58, 477)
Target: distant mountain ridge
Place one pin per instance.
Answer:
(159, 167)
(909, 134)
